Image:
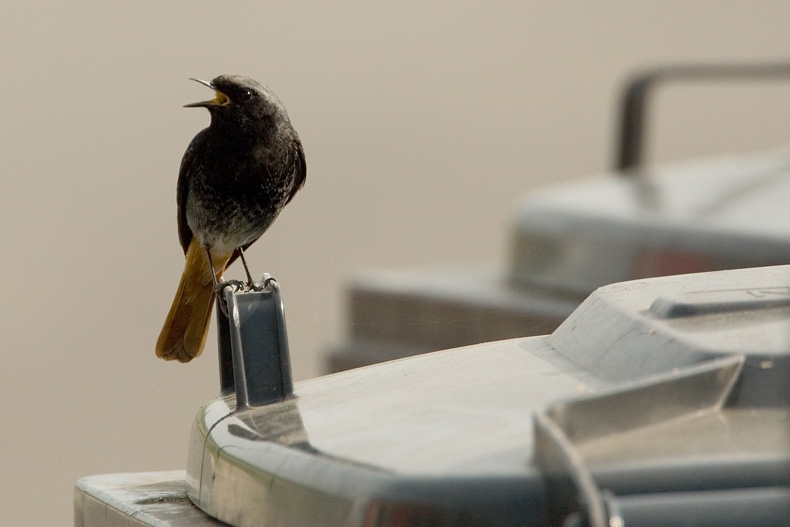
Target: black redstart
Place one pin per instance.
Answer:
(235, 178)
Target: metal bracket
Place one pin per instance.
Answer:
(253, 346)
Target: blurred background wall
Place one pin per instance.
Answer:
(422, 123)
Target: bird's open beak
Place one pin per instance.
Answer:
(220, 100)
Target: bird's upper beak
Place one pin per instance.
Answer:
(220, 100)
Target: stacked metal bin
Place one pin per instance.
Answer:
(728, 212)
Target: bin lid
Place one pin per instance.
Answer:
(655, 398)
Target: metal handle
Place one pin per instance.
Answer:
(633, 114)
(254, 360)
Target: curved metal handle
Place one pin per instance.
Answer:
(633, 109)
(254, 360)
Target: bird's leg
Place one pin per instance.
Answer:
(251, 284)
(211, 269)
(246, 269)
(219, 286)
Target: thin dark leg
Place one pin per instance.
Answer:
(246, 269)
(219, 286)
(211, 268)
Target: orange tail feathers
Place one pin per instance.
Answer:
(184, 333)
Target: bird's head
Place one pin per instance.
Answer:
(242, 104)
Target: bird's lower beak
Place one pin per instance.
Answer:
(219, 100)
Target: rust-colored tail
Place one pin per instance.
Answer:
(184, 333)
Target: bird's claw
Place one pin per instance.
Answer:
(237, 286)
(260, 286)
(219, 289)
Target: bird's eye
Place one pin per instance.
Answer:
(245, 95)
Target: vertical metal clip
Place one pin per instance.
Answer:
(253, 346)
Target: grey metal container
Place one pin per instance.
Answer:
(658, 402)
(635, 222)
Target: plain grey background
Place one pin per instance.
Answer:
(422, 123)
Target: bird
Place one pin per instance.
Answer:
(235, 178)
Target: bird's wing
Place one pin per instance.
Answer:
(185, 173)
(299, 168)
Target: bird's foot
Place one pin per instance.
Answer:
(237, 285)
(219, 289)
(260, 286)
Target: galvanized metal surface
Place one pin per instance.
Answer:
(432, 429)
(649, 326)
(146, 499)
